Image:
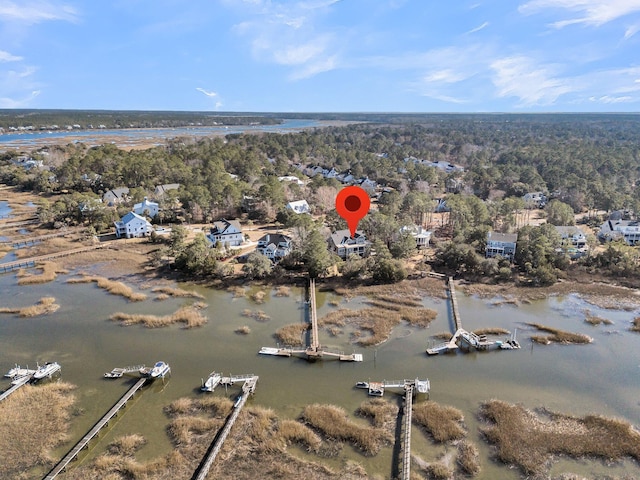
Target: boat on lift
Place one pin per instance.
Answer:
(18, 371)
(159, 370)
(46, 370)
(212, 382)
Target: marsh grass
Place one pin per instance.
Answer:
(127, 445)
(259, 297)
(438, 471)
(530, 441)
(191, 317)
(291, 431)
(333, 422)
(595, 320)
(237, 291)
(492, 331)
(382, 414)
(292, 334)
(111, 286)
(635, 325)
(446, 336)
(442, 422)
(558, 336)
(175, 292)
(283, 291)
(49, 272)
(244, 330)
(44, 306)
(468, 458)
(257, 315)
(33, 421)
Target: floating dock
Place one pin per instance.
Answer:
(119, 372)
(248, 387)
(314, 350)
(376, 389)
(84, 441)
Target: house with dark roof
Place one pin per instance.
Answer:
(227, 232)
(115, 196)
(501, 244)
(343, 245)
(274, 246)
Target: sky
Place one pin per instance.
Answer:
(321, 55)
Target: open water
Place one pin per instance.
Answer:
(601, 377)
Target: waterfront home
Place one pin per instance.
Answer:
(627, 230)
(150, 209)
(133, 225)
(419, 234)
(274, 246)
(501, 244)
(227, 232)
(343, 245)
(115, 196)
(572, 236)
(535, 199)
(299, 206)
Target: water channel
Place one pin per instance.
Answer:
(601, 377)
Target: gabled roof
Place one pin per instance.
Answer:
(222, 227)
(129, 217)
(343, 238)
(299, 206)
(502, 237)
(275, 238)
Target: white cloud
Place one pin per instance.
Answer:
(207, 93)
(7, 57)
(591, 12)
(533, 84)
(478, 28)
(610, 99)
(445, 76)
(298, 54)
(7, 102)
(36, 11)
(632, 30)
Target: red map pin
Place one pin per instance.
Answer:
(352, 204)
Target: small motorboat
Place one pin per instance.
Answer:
(46, 370)
(159, 370)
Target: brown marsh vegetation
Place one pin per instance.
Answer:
(44, 306)
(190, 316)
(530, 441)
(257, 315)
(635, 325)
(244, 330)
(111, 286)
(292, 334)
(558, 336)
(468, 458)
(492, 331)
(166, 292)
(259, 297)
(382, 414)
(283, 291)
(442, 422)
(49, 272)
(595, 320)
(33, 420)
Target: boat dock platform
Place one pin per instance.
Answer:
(248, 387)
(314, 350)
(462, 339)
(16, 384)
(84, 441)
(119, 372)
(376, 389)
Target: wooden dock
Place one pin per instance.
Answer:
(248, 387)
(405, 468)
(19, 383)
(457, 321)
(31, 262)
(314, 350)
(84, 441)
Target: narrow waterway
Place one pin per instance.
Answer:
(601, 377)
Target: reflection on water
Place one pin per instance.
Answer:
(601, 377)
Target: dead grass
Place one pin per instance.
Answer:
(244, 330)
(237, 291)
(382, 414)
(635, 325)
(442, 422)
(127, 445)
(175, 292)
(292, 334)
(446, 336)
(190, 316)
(259, 297)
(492, 331)
(468, 458)
(257, 315)
(111, 286)
(438, 471)
(595, 320)
(33, 421)
(333, 422)
(283, 291)
(295, 432)
(530, 441)
(44, 306)
(558, 336)
(50, 271)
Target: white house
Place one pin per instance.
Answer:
(535, 199)
(420, 235)
(628, 230)
(343, 245)
(227, 232)
(299, 206)
(150, 209)
(133, 225)
(291, 178)
(501, 244)
(274, 246)
(115, 196)
(572, 236)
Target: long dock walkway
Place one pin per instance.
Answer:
(94, 430)
(32, 261)
(19, 383)
(314, 350)
(248, 387)
(457, 321)
(407, 413)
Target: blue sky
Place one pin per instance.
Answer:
(321, 55)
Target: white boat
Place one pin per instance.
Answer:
(160, 369)
(269, 351)
(18, 371)
(362, 384)
(212, 382)
(46, 370)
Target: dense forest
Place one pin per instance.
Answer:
(583, 163)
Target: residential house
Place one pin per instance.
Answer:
(91, 205)
(535, 199)
(150, 209)
(227, 232)
(274, 246)
(343, 245)
(133, 225)
(572, 236)
(291, 178)
(162, 189)
(501, 244)
(115, 196)
(299, 206)
(368, 185)
(628, 230)
(420, 235)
